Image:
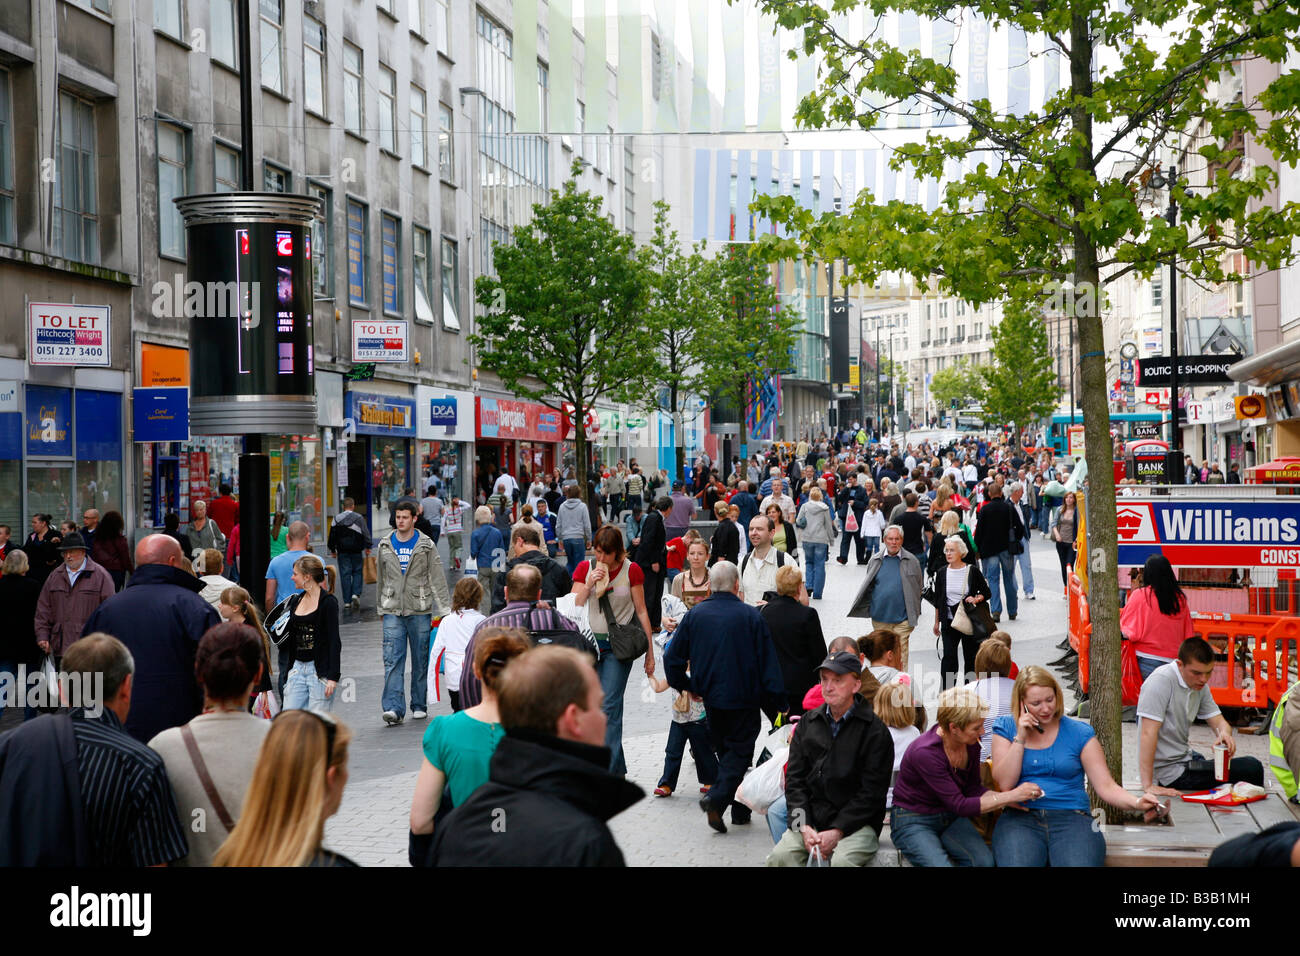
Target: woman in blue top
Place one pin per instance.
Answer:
(1037, 744)
(486, 544)
(459, 747)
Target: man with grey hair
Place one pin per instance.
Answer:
(734, 668)
(76, 789)
(891, 591)
(1018, 501)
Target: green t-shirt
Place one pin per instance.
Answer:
(462, 747)
(281, 544)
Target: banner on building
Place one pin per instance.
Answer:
(65, 334)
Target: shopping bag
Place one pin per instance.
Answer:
(765, 783)
(370, 569)
(961, 622)
(851, 522)
(50, 680)
(265, 705)
(1130, 674)
(815, 858)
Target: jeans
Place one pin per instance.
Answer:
(553, 548)
(696, 733)
(1026, 569)
(350, 575)
(613, 675)
(1199, 774)
(734, 733)
(615, 507)
(938, 839)
(437, 532)
(671, 573)
(399, 631)
(778, 818)
(1001, 567)
(815, 556)
(1148, 664)
(575, 551)
(1047, 838)
(9, 686)
(303, 690)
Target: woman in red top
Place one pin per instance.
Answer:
(1156, 618)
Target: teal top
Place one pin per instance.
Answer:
(461, 747)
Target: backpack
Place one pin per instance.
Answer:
(744, 562)
(561, 637)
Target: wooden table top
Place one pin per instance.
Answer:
(1196, 830)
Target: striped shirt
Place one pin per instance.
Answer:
(521, 614)
(130, 810)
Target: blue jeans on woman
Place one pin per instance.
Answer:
(1048, 838)
(1148, 664)
(938, 839)
(815, 556)
(613, 675)
(303, 690)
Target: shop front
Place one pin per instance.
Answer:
(445, 438)
(515, 438)
(379, 462)
(1277, 373)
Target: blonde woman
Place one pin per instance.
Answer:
(486, 546)
(235, 604)
(297, 785)
(310, 655)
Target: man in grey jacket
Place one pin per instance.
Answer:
(203, 531)
(891, 591)
(411, 589)
(573, 527)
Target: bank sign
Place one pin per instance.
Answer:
(1204, 534)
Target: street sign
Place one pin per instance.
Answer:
(1192, 369)
(1075, 441)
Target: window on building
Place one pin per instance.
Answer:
(76, 203)
(422, 270)
(943, 310)
(8, 233)
(224, 47)
(390, 263)
(629, 194)
(419, 126)
(276, 179)
(1157, 289)
(542, 144)
(415, 16)
(358, 251)
(272, 16)
(353, 108)
(388, 8)
(450, 285)
(313, 65)
(225, 162)
(173, 180)
(168, 16)
(580, 113)
(446, 144)
(387, 89)
(104, 6)
(442, 26)
(656, 67)
(607, 153)
(322, 242)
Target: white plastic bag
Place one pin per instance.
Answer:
(765, 783)
(50, 680)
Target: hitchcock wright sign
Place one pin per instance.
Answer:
(1210, 534)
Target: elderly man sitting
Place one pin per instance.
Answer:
(841, 761)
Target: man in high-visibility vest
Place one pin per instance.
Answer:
(1284, 744)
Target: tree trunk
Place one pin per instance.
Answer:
(580, 450)
(679, 452)
(1103, 580)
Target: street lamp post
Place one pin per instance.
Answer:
(1159, 181)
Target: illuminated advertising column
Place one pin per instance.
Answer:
(248, 295)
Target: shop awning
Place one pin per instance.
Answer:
(1277, 365)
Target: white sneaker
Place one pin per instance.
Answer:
(418, 715)
(356, 603)
(391, 718)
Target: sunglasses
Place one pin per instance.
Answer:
(331, 731)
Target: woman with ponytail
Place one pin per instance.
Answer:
(236, 605)
(210, 760)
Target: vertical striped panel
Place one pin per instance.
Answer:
(912, 187)
(744, 196)
(769, 73)
(631, 83)
(722, 194)
(806, 179)
(763, 186)
(806, 74)
(700, 216)
(869, 162)
(829, 188)
(1051, 71)
(1017, 72)
(786, 183)
(977, 54)
(931, 195)
(887, 179)
(666, 118)
(593, 67)
(701, 108)
(909, 39)
(527, 111)
(733, 43)
(563, 107)
(943, 36)
(849, 164)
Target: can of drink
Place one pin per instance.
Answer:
(1221, 762)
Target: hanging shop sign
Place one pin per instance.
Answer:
(510, 419)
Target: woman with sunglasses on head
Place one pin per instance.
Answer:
(297, 785)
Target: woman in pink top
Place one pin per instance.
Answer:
(1156, 618)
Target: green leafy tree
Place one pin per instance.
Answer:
(1051, 198)
(957, 385)
(564, 320)
(1022, 385)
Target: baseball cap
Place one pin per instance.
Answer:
(842, 662)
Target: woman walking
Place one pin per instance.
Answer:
(454, 633)
(110, 549)
(312, 650)
(1063, 533)
(958, 584)
(817, 525)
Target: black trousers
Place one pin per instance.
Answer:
(1199, 774)
(654, 594)
(1065, 554)
(734, 733)
(952, 641)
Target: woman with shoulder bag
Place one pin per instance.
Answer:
(817, 524)
(612, 585)
(1063, 533)
(958, 586)
(310, 655)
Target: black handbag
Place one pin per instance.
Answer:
(1016, 544)
(627, 642)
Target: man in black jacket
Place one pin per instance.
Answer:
(548, 794)
(652, 557)
(841, 761)
(997, 534)
(851, 495)
(527, 544)
(726, 537)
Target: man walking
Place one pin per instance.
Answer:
(69, 596)
(851, 496)
(573, 527)
(90, 517)
(412, 588)
(997, 534)
(683, 510)
(758, 568)
(279, 573)
(652, 557)
(891, 591)
(527, 546)
(349, 541)
(433, 508)
(1020, 501)
(734, 668)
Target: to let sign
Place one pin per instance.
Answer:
(64, 334)
(382, 341)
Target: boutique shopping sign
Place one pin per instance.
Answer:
(66, 334)
(1210, 534)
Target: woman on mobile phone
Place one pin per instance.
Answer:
(1038, 744)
